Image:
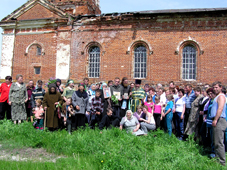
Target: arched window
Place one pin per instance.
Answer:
(38, 50)
(189, 63)
(94, 62)
(140, 62)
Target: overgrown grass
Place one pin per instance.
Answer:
(113, 149)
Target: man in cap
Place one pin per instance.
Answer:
(138, 95)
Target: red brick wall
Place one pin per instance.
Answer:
(82, 6)
(87, 7)
(24, 64)
(164, 37)
(37, 12)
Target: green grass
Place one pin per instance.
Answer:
(113, 149)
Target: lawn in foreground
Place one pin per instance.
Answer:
(113, 149)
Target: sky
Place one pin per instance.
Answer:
(109, 6)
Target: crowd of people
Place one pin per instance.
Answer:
(181, 111)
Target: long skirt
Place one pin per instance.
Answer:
(78, 121)
(18, 111)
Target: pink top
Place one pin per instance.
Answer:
(39, 112)
(157, 109)
(150, 106)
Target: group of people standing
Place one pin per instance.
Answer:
(180, 110)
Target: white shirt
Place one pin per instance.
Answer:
(152, 121)
(163, 98)
(180, 104)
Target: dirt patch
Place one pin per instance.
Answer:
(27, 154)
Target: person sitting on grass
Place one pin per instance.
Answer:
(131, 124)
(67, 113)
(96, 109)
(139, 114)
(109, 120)
(148, 123)
(39, 114)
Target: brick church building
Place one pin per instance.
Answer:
(72, 39)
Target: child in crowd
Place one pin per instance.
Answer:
(39, 114)
(158, 111)
(68, 112)
(96, 108)
(149, 103)
(168, 114)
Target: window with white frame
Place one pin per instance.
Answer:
(94, 62)
(140, 62)
(189, 63)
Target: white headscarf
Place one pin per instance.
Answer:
(126, 118)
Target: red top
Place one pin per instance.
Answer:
(4, 90)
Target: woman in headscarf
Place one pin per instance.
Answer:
(18, 96)
(58, 84)
(52, 99)
(69, 90)
(81, 106)
(131, 124)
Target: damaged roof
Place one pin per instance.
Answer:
(180, 10)
(167, 11)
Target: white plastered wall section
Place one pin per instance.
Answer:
(7, 55)
(63, 57)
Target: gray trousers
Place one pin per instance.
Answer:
(147, 126)
(218, 137)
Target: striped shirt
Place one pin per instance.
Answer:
(96, 105)
(37, 94)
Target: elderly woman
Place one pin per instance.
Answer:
(69, 90)
(59, 87)
(18, 96)
(131, 124)
(207, 128)
(193, 120)
(51, 99)
(81, 106)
